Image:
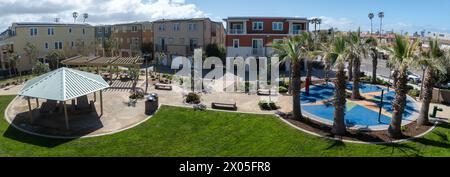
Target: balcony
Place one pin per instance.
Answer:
(296, 32)
(236, 31)
(258, 51)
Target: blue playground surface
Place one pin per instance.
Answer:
(356, 115)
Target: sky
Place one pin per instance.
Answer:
(400, 15)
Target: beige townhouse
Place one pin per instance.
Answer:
(71, 39)
(179, 37)
(131, 36)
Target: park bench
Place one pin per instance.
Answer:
(265, 92)
(224, 106)
(159, 86)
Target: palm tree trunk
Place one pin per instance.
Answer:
(374, 67)
(395, 77)
(427, 96)
(350, 69)
(308, 75)
(296, 81)
(356, 78)
(399, 103)
(290, 78)
(339, 102)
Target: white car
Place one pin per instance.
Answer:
(412, 77)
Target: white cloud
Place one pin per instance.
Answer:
(100, 11)
(330, 22)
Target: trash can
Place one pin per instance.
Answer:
(151, 105)
(154, 95)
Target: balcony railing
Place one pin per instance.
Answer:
(257, 51)
(236, 31)
(296, 31)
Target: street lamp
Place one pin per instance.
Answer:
(146, 56)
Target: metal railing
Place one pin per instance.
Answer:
(257, 51)
(236, 31)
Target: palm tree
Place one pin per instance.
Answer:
(371, 16)
(403, 54)
(290, 49)
(337, 54)
(309, 51)
(358, 50)
(381, 16)
(435, 61)
(372, 44)
(85, 16)
(75, 16)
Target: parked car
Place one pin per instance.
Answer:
(414, 78)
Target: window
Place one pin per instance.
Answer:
(258, 25)
(193, 44)
(70, 30)
(277, 26)
(50, 31)
(176, 27)
(33, 31)
(134, 28)
(235, 43)
(46, 45)
(441, 35)
(60, 45)
(84, 31)
(56, 46)
(277, 41)
(192, 27)
(71, 44)
(162, 27)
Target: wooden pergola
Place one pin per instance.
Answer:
(97, 61)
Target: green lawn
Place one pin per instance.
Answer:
(184, 132)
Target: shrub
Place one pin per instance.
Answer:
(193, 98)
(40, 68)
(267, 105)
(282, 89)
(137, 95)
(414, 93)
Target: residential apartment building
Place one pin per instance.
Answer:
(179, 37)
(72, 39)
(102, 35)
(131, 36)
(254, 36)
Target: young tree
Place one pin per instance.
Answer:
(214, 50)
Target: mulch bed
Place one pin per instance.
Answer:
(409, 131)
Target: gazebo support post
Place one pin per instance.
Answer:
(101, 103)
(66, 116)
(95, 96)
(29, 110)
(37, 102)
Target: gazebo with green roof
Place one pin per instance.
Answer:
(62, 85)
